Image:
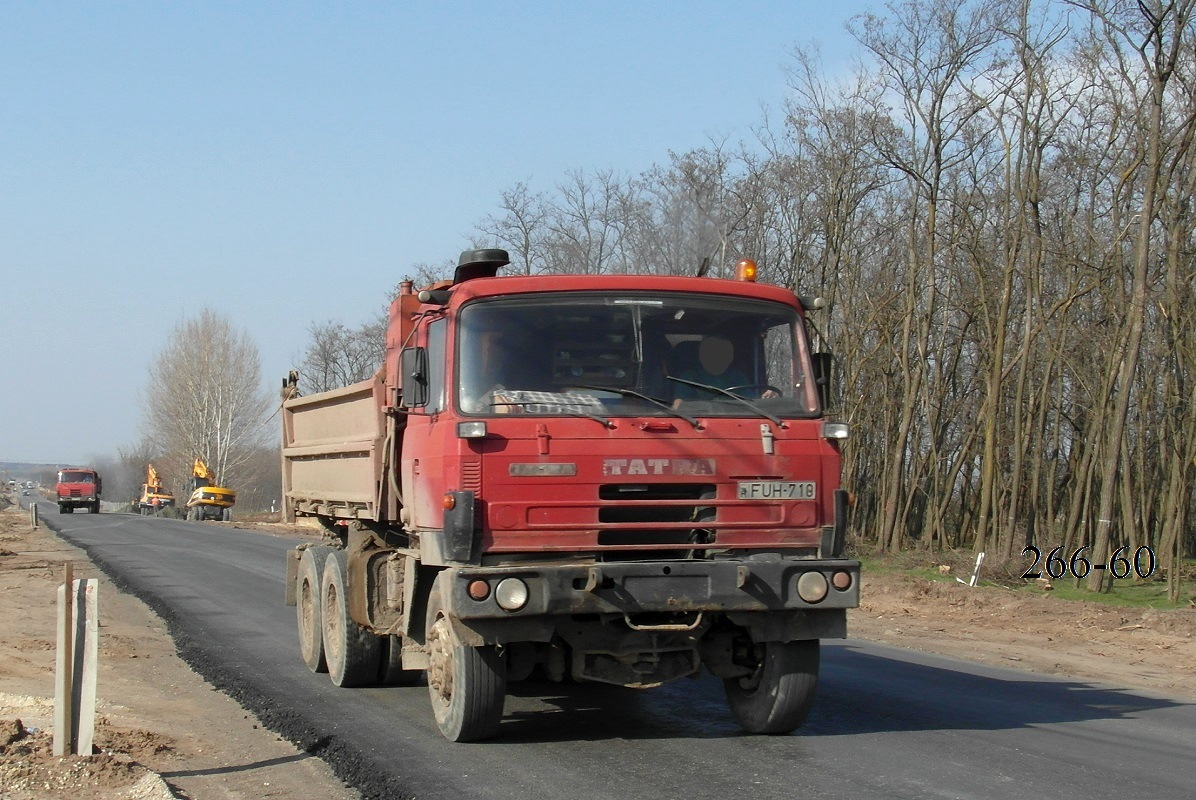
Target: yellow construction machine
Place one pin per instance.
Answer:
(154, 496)
(210, 500)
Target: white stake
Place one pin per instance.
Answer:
(975, 572)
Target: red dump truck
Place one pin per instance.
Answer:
(78, 487)
(613, 479)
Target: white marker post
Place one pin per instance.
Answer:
(975, 571)
(78, 656)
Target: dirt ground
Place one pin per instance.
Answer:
(163, 733)
(1135, 648)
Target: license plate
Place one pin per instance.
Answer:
(776, 490)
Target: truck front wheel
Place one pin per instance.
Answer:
(307, 608)
(467, 685)
(353, 653)
(777, 696)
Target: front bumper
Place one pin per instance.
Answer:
(657, 587)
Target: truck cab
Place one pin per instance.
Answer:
(78, 487)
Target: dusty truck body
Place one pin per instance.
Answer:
(540, 480)
(78, 487)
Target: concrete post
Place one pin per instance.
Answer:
(77, 662)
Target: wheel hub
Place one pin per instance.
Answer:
(306, 609)
(332, 623)
(755, 660)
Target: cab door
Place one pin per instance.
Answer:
(428, 430)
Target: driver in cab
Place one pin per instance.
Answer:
(713, 366)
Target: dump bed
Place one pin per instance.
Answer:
(332, 452)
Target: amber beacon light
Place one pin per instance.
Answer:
(745, 270)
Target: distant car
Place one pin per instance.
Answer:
(25, 492)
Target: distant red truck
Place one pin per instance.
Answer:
(78, 487)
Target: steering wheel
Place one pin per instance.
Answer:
(767, 387)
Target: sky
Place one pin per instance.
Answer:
(287, 163)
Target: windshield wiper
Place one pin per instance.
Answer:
(732, 395)
(630, 393)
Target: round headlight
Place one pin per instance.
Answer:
(511, 594)
(811, 587)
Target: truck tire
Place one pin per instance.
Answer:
(777, 697)
(390, 671)
(308, 606)
(352, 653)
(467, 685)
(66, 509)
(95, 507)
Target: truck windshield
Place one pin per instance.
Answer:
(76, 477)
(686, 354)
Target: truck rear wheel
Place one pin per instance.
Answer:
(777, 696)
(308, 606)
(467, 685)
(352, 652)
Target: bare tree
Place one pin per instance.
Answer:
(586, 227)
(339, 356)
(1159, 33)
(521, 228)
(205, 398)
(128, 471)
(686, 214)
(929, 54)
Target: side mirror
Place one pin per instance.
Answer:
(824, 368)
(413, 365)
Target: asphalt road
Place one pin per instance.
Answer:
(888, 723)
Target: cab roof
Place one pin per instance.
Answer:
(616, 285)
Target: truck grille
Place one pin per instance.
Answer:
(639, 506)
(471, 474)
